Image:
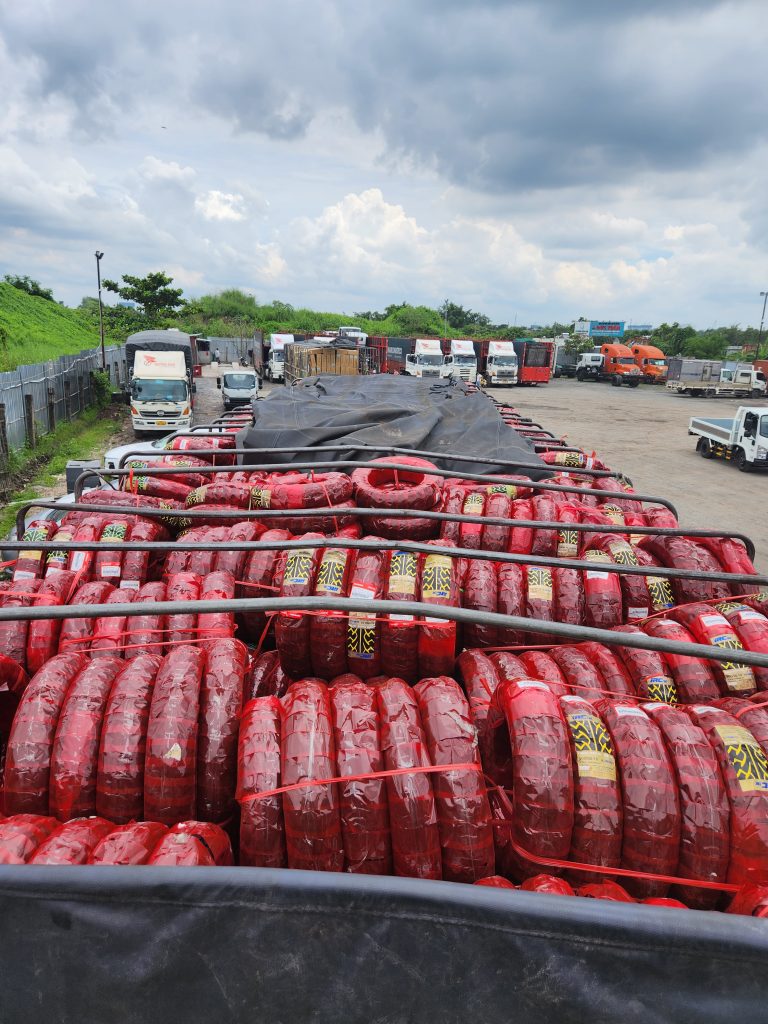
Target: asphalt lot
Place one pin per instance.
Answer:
(643, 433)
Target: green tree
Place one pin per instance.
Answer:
(152, 293)
(28, 285)
(458, 317)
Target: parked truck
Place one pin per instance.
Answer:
(160, 392)
(426, 360)
(461, 361)
(534, 360)
(274, 363)
(651, 362)
(171, 340)
(499, 367)
(710, 378)
(613, 362)
(742, 440)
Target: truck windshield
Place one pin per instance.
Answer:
(656, 362)
(159, 390)
(464, 360)
(625, 361)
(240, 381)
(764, 426)
(430, 360)
(503, 360)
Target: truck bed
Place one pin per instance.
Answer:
(720, 428)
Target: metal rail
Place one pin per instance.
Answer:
(379, 607)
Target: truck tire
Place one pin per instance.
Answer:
(580, 375)
(615, 380)
(740, 458)
(633, 383)
(704, 448)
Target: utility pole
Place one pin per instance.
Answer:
(101, 312)
(762, 321)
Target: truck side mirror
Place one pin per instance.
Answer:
(194, 389)
(218, 383)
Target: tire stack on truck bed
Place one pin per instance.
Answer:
(537, 688)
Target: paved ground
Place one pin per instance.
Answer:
(644, 434)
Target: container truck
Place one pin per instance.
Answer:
(500, 365)
(171, 340)
(651, 362)
(427, 359)
(461, 361)
(742, 440)
(709, 378)
(534, 360)
(161, 392)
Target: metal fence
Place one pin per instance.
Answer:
(34, 399)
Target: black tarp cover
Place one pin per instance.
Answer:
(385, 411)
(137, 945)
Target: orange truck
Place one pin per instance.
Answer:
(613, 362)
(652, 363)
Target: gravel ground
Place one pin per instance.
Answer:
(644, 434)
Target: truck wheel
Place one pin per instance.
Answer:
(704, 448)
(756, 393)
(740, 458)
(633, 383)
(615, 380)
(580, 375)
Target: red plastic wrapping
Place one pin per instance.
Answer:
(108, 564)
(463, 813)
(57, 561)
(597, 822)
(311, 814)
(732, 556)
(412, 812)
(480, 594)
(498, 505)
(28, 754)
(136, 564)
(647, 669)
(694, 679)
(213, 837)
(221, 698)
(201, 562)
(181, 628)
(363, 631)
(602, 593)
(471, 534)
(397, 488)
(72, 843)
(495, 882)
(109, 631)
(219, 493)
(751, 628)
(508, 666)
(292, 628)
(29, 564)
(229, 560)
(262, 831)
(610, 667)
(637, 602)
(544, 510)
(303, 490)
(649, 792)
(581, 675)
(539, 599)
(682, 553)
(521, 537)
(165, 487)
(611, 891)
(570, 606)
(744, 768)
(710, 627)
(75, 635)
(660, 593)
(480, 678)
(540, 665)
(532, 761)
(704, 810)
(754, 718)
(21, 835)
(146, 633)
(128, 844)
(257, 582)
(181, 849)
(399, 633)
(14, 632)
(75, 753)
(363, 804)
(211, 626)
(511, 599)
(262, 680)
(171, 760)
(120, 772)
(548, 884)
(453, 503)
(43, 634)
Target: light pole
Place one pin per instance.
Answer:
(762, 321)
(101, 313)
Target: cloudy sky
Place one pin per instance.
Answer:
(532, 160)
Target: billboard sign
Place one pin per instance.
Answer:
(606, 328)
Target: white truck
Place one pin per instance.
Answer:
(161, 393)
(742, 440)
(461, 363)
(239, 387)
(274, 368)
(500, 363)
(426, 360)
(709, 378)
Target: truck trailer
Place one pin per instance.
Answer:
(534, 360)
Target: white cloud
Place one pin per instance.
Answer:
(161, 170)
(215, 205)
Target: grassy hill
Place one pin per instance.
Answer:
(38, 329)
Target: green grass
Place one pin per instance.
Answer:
(39, 330)
(86, 437)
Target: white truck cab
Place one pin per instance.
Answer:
(274, 368)
(590, 365)
(501, 363)
(354, 334)
(745, 375)
(238, 387)
(743, 439)
(161, 398)
(427, 359)
(462, 361)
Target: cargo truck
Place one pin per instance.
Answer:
(500, 365)
(709, 378)
(461, 361)
(426, 360)
(274, 364)
(651, 362)
(742, 440)
(161, 393)
(171, 340)
(534, 360)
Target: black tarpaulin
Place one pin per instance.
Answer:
(386, 411)
(132, 945)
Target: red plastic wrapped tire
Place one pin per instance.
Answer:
(257, 581)
(683, 553)
(22, 835)
(710, 627)
(647, 669)
(73, 842)
(548, 884)
(498, 505)
(544, 510)
(694, 679)
(128, 844)
(602, 592)
(363, 628)
(212, 626)
(401, 488)
(110, 631)
(262, 829)
(181, 628)
(14, 632)
(181, 849)
(540, 665)
(751, 628)
(221, 698)
(146, 633)
(292, 628)
(262, 678)
(43, 634)
(510, 599)
(570, 606)
(615, 677)
(400, 633)
(480, 595)
(213, 837)
(581, 675)
(76, 634)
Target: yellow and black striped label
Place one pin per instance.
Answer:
(661, 689)
(436, 577)
(402, 573)
(330, 575)
(298, 567)
(260, 497)
(539, 584)
(594, 750)
(567, 543)
(745, 757)
(660, 593)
